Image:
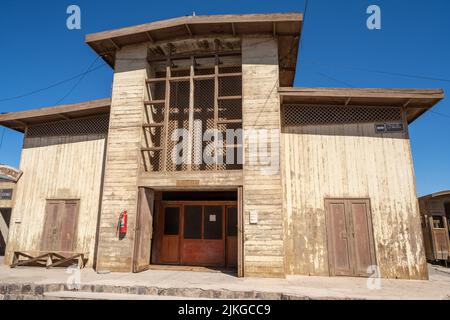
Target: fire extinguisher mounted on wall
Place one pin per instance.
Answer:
(122, 225)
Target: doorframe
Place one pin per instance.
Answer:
(181, 204)
(350, 223)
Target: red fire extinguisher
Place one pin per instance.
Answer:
(123, 219)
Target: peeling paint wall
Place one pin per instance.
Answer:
(58, 167)
(350, 161)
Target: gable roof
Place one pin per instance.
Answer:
(285, 26)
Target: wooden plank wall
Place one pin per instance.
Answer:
(57, 168)
(123, 158)
(263, 242)
(350, 161)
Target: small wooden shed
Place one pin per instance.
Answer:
(435, 216)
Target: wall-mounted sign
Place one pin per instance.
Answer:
(253, 217)
(380, 128)
(6, 194)
(10, 172)
(212, 218)
(394, 127)
(389, 127)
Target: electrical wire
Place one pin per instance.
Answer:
(1, 139)
(378, 71)
(51, 86)
(78, 82)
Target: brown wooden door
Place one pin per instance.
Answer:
(439, 237)
(206, 245)
(350, 239)
(144, 230)
(169, 230)
(231, 235)
(69, 226)
(60, 225)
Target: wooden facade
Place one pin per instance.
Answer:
(321, 181)
(435, 216)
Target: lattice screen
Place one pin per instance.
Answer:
(203, 120)
(211, 107)
(297, 115)
(77, 127)
(178, 119)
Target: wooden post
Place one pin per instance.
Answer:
(166, 109)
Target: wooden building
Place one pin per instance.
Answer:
(435, 214)
(8, 178)
(316, 181)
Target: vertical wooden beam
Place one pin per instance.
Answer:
(166, 109)
(216, 101)
(240, 235)
(191, 113)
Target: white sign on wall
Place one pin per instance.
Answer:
(253, 217)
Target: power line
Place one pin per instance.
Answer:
(334, 79)
(51, 86)
(440, 114)
(303, 24)
(79, 81)
(3, 135)
(378, 71)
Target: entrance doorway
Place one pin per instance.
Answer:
(5, 218)
(194, 230)
(197, 233)
(350, 239)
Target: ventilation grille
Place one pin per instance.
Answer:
(298, 115)
(78, 127)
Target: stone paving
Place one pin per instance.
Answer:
(28, 282)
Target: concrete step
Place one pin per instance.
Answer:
(83, 295)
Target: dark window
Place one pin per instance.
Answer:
(232, 222)
(171, 221)
(193, 222)
(212, 221)
(438, 222)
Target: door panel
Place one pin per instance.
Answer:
(170, 235)
(69, 225)
(209, 249)
(144, 230)
(362, 237)
(232, 230)
(212, 223)
(51, 225)
(350, 238)
(338, 239)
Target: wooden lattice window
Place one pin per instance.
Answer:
(302, 115)
(75, 127)
(198, 96)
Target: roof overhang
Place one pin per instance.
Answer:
(22, 119)
(285, 26)
(441, 193)
(415, 101)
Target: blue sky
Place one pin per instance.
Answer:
(38, 50)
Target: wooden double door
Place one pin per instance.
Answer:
(197, 234)
(60, 226)
(351, 249)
